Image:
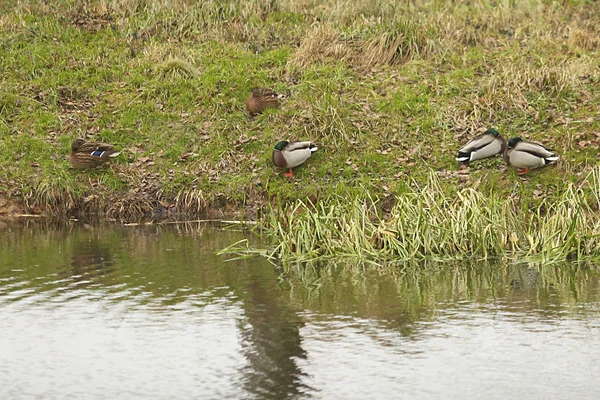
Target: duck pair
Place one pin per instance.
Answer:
(286, 155)
(516, 152)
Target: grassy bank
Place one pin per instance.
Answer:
(388, 91)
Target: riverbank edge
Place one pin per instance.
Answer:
(126, 209)
(425, 221)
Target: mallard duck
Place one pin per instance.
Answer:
(290, 155)
(91, 154)
(260, 99)
(482, 146)
(527, 155)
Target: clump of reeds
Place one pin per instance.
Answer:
(430, 223)
(131, 207)
(191, 201)
(366, 45)
(56, 194)
(48, 198)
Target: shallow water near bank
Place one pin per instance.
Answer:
(107, 311)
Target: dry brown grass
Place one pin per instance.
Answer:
(132, 207)
(50, 200)
(553, 77)
(322, 44)
(583, 38)
(398, 43)
(507, 88)
(368, 45)
(190, 201)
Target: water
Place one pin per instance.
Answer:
(97, 312)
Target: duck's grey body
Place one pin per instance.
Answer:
(290, 155)
(485, 145)
(528, 155)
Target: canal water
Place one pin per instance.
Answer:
(98, 311)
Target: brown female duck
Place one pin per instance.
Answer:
(260, 99)
(86, 155)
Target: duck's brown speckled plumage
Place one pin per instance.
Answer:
(260, 99)
(86, 155)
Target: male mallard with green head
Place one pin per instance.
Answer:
(91, 154)
(290, 155)
(260, 99)
(482, 146)
(526, 155)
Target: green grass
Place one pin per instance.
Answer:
(388, 91)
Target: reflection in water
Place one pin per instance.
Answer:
(91, 259)
(404, 295)
(105, 311)
(271, 340)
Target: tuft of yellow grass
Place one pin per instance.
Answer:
(322, 44)
(177, 68)
(583, 38)
(131, 207)
(190, 201)
(396, 44)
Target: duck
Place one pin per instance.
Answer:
(484, 145)
(525, 155)
(86, 155)
(290, 155)
(260, 99)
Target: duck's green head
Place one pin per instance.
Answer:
(281, 145)
(512, 142)
(492, 131)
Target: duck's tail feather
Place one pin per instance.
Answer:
(463, 157)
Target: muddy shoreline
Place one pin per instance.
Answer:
(125, 209)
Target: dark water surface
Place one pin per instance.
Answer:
(113, 312)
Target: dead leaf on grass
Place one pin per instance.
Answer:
(415, 150)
